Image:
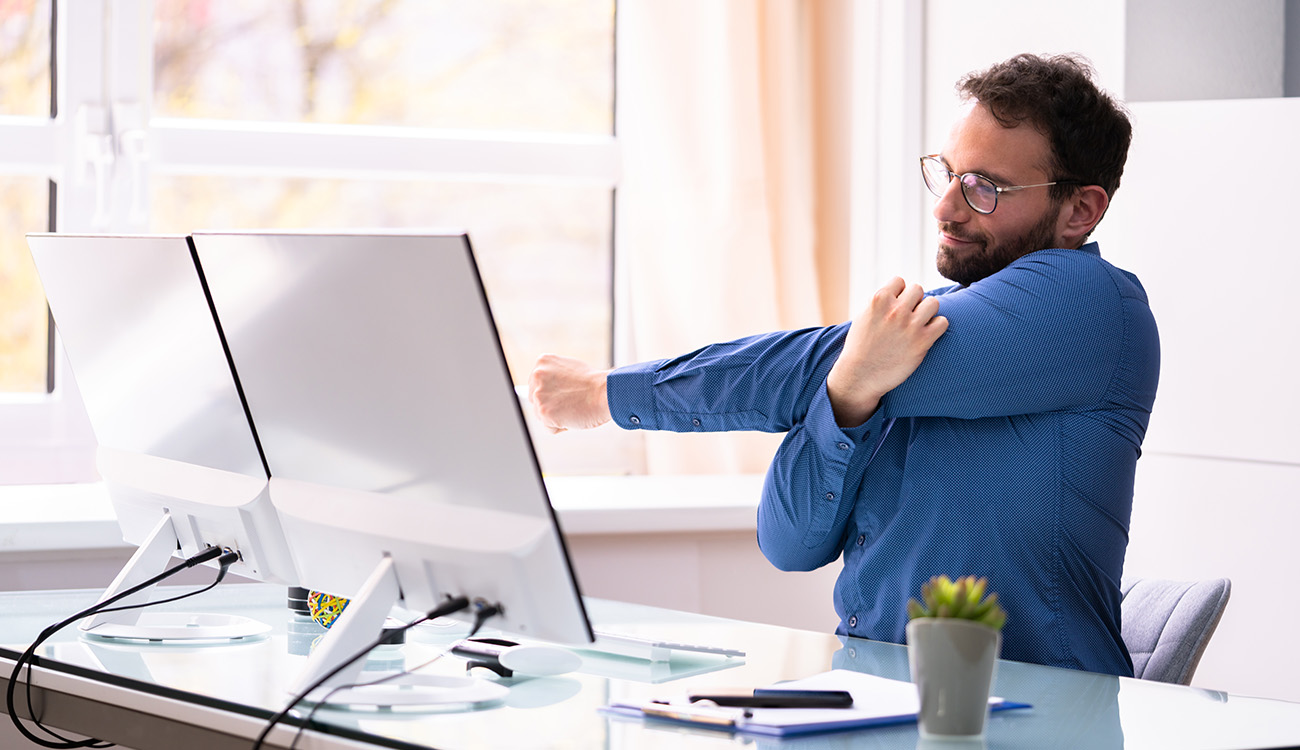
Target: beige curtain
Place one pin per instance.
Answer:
(731, 213)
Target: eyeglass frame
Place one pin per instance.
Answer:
(997, 189)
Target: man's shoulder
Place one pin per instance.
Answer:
(1078, 268)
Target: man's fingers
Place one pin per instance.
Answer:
(927, 308)
(897, 293)
(910, 296)
(935, 329)
(894, 286)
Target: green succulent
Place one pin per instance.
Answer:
(963, 599)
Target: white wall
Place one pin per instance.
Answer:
(1204, 217)
(719, 573)
(1208, 232)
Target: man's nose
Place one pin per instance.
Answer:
(952, 205)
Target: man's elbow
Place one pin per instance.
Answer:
(790, 557)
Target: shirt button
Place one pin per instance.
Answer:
(853, 652)
(862, 538)
(853, 621)
(634, 419)
(830, 495)
(844, 446)
(695, 422)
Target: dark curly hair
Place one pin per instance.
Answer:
(1089, 132)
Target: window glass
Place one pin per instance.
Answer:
(533, 65)
(24, 319)
(25, 57)
(543, 250)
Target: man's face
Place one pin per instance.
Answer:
(972, 245)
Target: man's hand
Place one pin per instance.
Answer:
(885, 345)
(568, 394)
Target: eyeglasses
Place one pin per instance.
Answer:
(980, 192)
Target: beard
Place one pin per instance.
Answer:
(985, 259)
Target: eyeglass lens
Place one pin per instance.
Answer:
(980, 193)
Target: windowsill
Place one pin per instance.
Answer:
(80, 516)
(45, 517)
(653, 504)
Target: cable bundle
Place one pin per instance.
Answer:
(224, 557)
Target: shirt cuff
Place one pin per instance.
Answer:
(630, 393)
(837, 443)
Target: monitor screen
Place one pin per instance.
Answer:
(372, 368)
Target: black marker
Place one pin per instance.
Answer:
(777, 698)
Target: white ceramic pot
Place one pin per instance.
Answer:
(953, 663)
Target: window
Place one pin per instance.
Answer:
(25, 57)
(495, 117)
(543, 250)
(519, 72)
(503, 65)
(25, 350)
(25, 343)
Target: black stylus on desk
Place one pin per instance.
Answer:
(777, 698)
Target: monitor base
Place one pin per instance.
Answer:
(180, 627)
(411, 690)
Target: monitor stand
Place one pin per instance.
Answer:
(138, 625)
(356, 628)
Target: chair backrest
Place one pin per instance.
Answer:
(1167, 624)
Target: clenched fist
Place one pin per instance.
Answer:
(567, 393)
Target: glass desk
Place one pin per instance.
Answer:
(219, 696)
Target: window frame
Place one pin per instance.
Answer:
(102, 101)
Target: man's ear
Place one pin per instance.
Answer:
(1080, 213)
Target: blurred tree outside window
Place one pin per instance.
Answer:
(490, 67)
(25, 57)
(532, 65)
(24, 318)
(24, 205)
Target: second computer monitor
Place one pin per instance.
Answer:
(372, 368)
(176, 451)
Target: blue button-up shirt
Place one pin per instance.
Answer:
(1009, 453)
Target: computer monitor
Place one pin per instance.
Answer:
(176, 452)
(400, 463)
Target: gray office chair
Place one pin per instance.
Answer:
(1167, 624)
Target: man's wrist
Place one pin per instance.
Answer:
(600, 397)
(850, 408)
(854, 416)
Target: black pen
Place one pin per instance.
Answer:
(777, 698)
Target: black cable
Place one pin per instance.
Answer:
(225, 557)
(64, 742)
(452, 605)
(225, 561)
(484, 613)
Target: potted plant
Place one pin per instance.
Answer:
(954, 637)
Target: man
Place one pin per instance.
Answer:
(988, 428)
